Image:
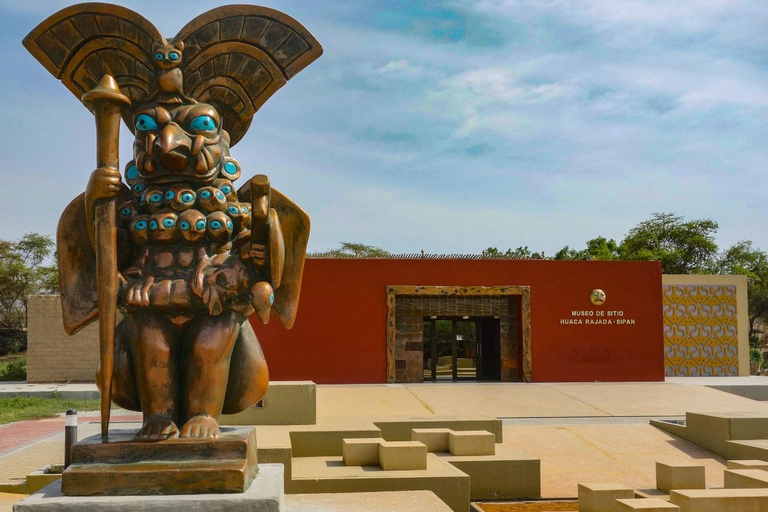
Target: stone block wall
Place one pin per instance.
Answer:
(53, 355)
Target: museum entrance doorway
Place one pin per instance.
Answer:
(460, 349)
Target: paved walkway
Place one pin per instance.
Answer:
(76, 391)
(14, 436)
(586, 431)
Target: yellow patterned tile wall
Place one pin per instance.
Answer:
(700, 330)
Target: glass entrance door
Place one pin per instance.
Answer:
(465, 350)
(451, 350)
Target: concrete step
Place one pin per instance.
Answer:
(745, 479)
(329, 474)
(720, 500)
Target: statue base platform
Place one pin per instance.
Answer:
(266, 494)
(123, 466)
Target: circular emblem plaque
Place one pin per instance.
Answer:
(597, 297)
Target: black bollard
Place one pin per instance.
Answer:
(70, 434)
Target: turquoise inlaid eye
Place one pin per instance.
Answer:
(215, 224)
(187, 197)
(233, 210)
(205, 194)
(244, 209)
(184, 225)
(219, 195)
(140, 225)
(203, 123)
(230, 168)
(156, 197)
(153, 224)
(138, 187)
(159, 56)
(132, 173)
(229, 224)
(226, 189)
(169, 195)
(125, 212)
(200, 225)
(271, 298)
(174, 56)
(145, 123)
(169, 223)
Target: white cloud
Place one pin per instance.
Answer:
(400, 68)
(489, 98)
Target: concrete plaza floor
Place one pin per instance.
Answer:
(581, 432)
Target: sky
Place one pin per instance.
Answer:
(452, 126)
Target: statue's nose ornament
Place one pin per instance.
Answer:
(167, 146)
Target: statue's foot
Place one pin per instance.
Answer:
(201, 426)
(156, 428)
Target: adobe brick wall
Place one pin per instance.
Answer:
(53, 355)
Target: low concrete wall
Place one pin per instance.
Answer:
(706, 329)
(53, 355)
(285, 403)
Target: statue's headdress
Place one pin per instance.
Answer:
(233, 57)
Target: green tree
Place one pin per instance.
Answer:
(356, 250)
(23, 271)
(599, 248)
(744, 259)
(682, 247)
(521, 253)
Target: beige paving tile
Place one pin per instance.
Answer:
(593, 453)
(367, 401)
(501, 400)
(8, 499)
(660, 399)
(368, 501)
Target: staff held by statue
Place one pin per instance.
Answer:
(106, 102)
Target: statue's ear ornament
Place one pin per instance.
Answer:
(232, 57)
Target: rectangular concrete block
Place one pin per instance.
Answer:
(400, 429)
(436, 439)
(646, 505)
(402, 455)
(720, 500)
(471, 442)
(747, 464)
(680, 476)
(285, 403)
(507, 475)
(745, 479)
(601, 497)
(326, 440)
(361, 452)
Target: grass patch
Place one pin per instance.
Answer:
(13, 368)
(23, 408)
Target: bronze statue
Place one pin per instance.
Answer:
(177, 248)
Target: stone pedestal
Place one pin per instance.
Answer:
(266, 494)
(122, 466)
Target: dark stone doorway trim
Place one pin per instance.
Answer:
(525, 318)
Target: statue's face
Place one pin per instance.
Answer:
(178, 144)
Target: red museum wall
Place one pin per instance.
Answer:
(340, 331)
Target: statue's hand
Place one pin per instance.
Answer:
(138, 293)
(104, 183)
